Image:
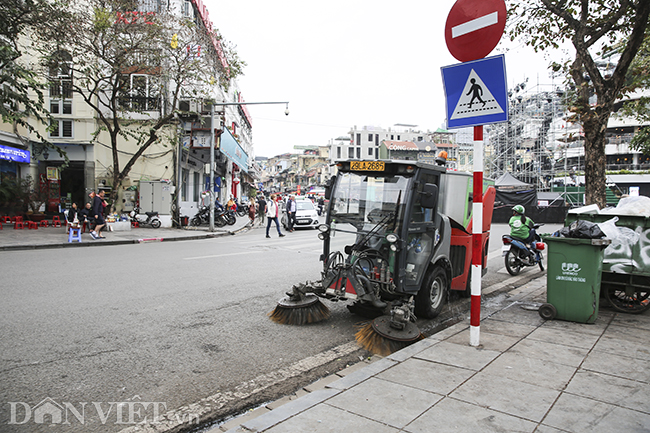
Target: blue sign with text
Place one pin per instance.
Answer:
(476, 92)
(13, 154)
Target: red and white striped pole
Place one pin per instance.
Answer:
(477, 237)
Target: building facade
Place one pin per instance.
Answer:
(180, 159)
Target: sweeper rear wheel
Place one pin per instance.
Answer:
(307, 309)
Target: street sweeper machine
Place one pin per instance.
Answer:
(396, 240)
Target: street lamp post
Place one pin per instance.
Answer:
(212, 143)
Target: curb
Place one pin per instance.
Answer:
(208, 235)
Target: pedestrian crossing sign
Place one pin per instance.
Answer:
(476, 92)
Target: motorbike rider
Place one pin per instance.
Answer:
(218, 206)
(521, 227)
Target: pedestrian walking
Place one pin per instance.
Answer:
(261, 208)
(272, 215)
(98, 212)
(291, 212)
(251, 211)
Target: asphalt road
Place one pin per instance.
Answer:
(98, 329)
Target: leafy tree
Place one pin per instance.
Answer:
(20, 82)
(132, 68)
(594, 28)
(638, 80)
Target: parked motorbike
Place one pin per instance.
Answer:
(221, 217)
(518, 255)
(146, 219)
(242, 209)
(228, 216)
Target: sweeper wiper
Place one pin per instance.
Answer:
(396, 239)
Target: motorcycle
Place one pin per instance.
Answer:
(242, 209)
(221, 217)
(148, 219)
(228, 216)
(518, 255)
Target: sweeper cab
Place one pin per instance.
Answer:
(396, 240)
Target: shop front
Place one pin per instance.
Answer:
(14, 164)
(65, 183)
(12, 160)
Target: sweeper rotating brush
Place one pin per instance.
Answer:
(381, 338)
(307, 309)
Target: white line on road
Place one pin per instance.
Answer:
(475, 24)
(495, 253)
(221, 255)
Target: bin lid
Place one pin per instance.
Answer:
(577, 241)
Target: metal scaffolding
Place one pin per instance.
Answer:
(532, 145)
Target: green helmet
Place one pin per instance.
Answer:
(519, 209)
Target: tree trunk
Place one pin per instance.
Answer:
(595, 128)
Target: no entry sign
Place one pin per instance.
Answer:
(474, 28)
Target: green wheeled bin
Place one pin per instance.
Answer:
(626, 264)
(573, 278)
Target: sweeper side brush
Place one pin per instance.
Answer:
(307, 309)
(381, 337)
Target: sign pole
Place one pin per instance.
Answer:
(477, 238)
(472, 30)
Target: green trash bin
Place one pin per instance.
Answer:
(573, 278)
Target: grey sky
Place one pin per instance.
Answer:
(346, 63)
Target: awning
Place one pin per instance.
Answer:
(231, 148)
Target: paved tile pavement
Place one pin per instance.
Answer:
(527, 375)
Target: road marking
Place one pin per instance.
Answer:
(495, 253)
(221, 255)
(475, 24)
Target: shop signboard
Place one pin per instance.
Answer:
(13, 154)
(232, 149)
(52, 173)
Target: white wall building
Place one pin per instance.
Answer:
(364, 143)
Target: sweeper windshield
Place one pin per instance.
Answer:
(365, 205)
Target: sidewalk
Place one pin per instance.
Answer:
(527, 375)
(56, 237)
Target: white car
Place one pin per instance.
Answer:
(306, 215)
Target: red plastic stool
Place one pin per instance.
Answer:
(16, 219)
(56, 222)
(33, 225)
(19, 225)
(135, 224)
(6, 219)
(44, 223)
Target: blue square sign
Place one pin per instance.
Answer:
(476, 92)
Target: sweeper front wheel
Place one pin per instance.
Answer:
(383, 339)
(307, 309)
